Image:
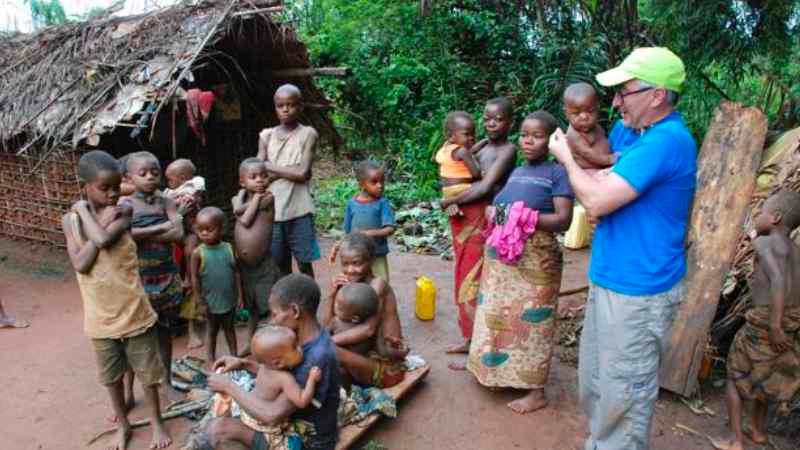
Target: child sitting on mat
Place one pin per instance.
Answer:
(382, 367)
(278, 348)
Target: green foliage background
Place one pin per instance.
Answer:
(413, 61)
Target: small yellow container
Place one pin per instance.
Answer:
(426, 299)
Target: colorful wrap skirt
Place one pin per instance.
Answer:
(512, 343)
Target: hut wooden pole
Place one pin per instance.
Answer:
(174, 144)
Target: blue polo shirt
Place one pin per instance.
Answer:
(640, 248)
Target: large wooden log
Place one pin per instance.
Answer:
(726, 178)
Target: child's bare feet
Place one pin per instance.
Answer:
(454, 365)
(726, 444)
(532, 401)
(121, 438)
(194, 342)
(13, 322)
(161, 437)
(459, 348)
(758, 437)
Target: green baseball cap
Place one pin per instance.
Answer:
(655, 65)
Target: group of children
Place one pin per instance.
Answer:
(146, 256)
(139, 251)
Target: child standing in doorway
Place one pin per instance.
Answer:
(186, 190)
(287, 151)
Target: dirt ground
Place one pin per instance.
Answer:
(51, 399)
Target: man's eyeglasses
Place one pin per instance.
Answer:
(622, 95)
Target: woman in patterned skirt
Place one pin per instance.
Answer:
(512, 341)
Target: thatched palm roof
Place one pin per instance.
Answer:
(69, 85)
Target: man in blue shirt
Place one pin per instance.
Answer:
(638, 254)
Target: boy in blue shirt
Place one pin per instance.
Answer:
(370, 213)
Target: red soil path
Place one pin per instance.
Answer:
(51, 400)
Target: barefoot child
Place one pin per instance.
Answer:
(157, 227)
(586, 138)
(254, 211)
(496, 159)
(118, 317)
(213, 273)
(370, 213)
(512, 343)
(384, 366)
(764, 360)
(281, 352)
(186, 190)
(7, 321)
(287, 151)
(457, 165)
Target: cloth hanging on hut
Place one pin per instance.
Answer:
(198, 107)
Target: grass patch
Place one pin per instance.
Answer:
(374, 445)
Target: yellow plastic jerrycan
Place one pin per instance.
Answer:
(426, 299)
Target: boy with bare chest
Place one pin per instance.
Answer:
(288, 151)
(496, 156)
(254, 211)
(764, 360)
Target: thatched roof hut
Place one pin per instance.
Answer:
(119, 84)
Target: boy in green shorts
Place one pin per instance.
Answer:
(118, 317)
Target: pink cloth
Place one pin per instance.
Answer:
(508, 239)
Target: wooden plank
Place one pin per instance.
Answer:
(726, 178)
(351, 433)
